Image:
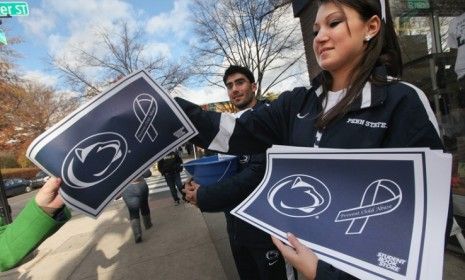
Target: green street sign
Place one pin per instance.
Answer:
(418, 4)
(14, 9)
(3, 38)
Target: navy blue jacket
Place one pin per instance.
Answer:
(170, 164)
(228, 193)
(387, 116)
(395, 115)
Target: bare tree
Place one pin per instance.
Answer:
(259, 34)
(117, 55)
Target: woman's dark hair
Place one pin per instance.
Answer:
(382, 50)
(233, 69)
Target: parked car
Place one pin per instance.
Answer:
(16, 186)
(39, 180)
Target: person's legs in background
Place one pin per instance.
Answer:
(179, 185)
(170, 181)
(461, 92)
(144, 206)
(132, 200)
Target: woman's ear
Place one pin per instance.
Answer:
(373, 26)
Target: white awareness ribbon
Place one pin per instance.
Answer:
(145, 115)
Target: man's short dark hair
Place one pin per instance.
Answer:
(233, 69)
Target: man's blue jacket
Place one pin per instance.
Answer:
(228, 193)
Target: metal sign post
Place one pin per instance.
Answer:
(5, 209)
(3, 39)
(8, 10)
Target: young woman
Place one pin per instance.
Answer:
(136, 198)
(357, 101)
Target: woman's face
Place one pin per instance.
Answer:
(339, 38)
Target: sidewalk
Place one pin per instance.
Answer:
(178, 246)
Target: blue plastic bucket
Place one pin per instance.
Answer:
(212, 169)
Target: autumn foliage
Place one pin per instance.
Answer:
(27, 109)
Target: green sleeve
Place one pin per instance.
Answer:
(27, 231)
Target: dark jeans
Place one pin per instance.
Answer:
(136, 197)
(462, 92)
(173, 180)
(259, 263)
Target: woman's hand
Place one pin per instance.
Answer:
(300, 257)
(48, 197)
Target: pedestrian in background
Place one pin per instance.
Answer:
(171, 167)
(136, 198)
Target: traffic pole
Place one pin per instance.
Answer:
(5, 209)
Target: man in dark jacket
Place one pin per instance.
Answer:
(254, 253)
(170, 167)
(383, 116)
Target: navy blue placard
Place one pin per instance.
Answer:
(341, 204)
(102, 146)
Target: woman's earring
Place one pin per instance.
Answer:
(367, 38)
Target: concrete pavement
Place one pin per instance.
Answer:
(178, 246)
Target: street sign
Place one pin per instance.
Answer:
(14, 9)
(418, 4)
(5, 209)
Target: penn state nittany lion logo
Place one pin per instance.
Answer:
(93, 159)
(244, 159)
(299, 196)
